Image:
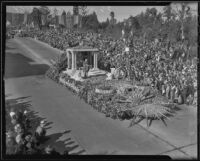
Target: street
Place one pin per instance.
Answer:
(26, 62)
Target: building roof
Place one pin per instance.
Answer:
(82, 48)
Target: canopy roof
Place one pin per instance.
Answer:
(82, 48)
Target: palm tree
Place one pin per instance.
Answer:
(182, 14)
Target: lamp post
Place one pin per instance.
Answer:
(128, 43)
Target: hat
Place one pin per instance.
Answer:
(42, 122)
(48, 149)
(12, 114)
(28, 137)
(9, 133)
(17, 126)
(18, 138)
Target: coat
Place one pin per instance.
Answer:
(168, 89)
(180, 100)
(40, 133)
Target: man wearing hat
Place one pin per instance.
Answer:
(13, 117)
(184, 91)
(51, 151)
(40, 133)
(85, 68)
(168, 89)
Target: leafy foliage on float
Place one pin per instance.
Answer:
(57, 67)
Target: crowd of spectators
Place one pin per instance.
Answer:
(166, 65)
(22, 139)
(167, 68)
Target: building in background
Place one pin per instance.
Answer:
(25, 18)
(76, 17)
(59, 20)
(63, 19)
(73, 20)
(69, 20)
(15, 19)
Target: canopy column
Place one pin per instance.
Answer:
(68, 60)
(75, 64)
(95, 60)
(73, 60)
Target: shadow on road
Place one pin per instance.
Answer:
(9, 48)
(18, 65)
(149, 120)
(78, 153)
(21, 104)
(53, 141)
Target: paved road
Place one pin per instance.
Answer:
(91, 130)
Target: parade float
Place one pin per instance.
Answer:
(115, 94)
(120, 92)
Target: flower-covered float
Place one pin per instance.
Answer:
(119, 97)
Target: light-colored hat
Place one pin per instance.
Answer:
(25, 112)
(12, 114)
(17, 126)
(9, 134)
(18, 138)
(42, 122)
(28, 137)
(48, 149)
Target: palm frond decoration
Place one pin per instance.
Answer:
(150, 112)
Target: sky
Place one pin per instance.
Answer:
(103, 12)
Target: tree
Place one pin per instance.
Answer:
(92, 21)
(112, 19)
(112, 15)
(36, 17)
(83, 11)
(134, 26)
(104, 25)
(191, 30)
(168, 13)
(55, 12)
(54, 17)
(63, 19)
(44, 11)
(75, 10)
(182, 14)
(151, 14)
(107, 21)
(150, 22)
